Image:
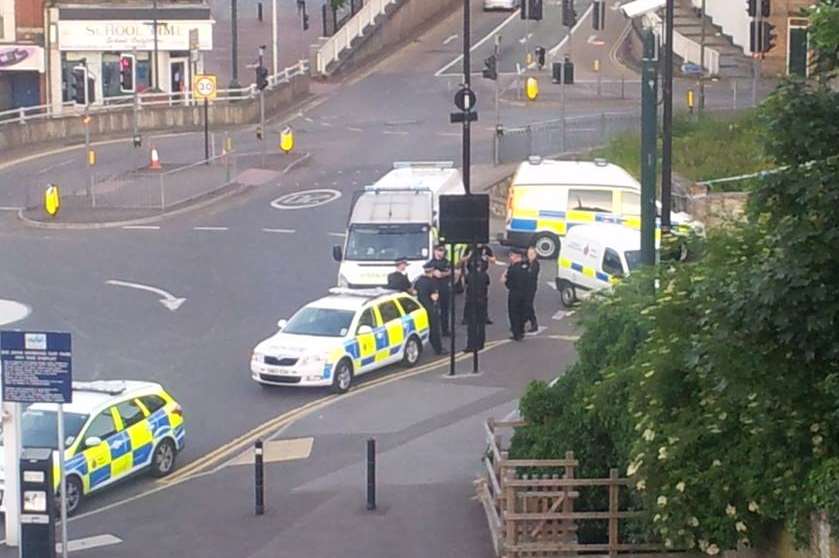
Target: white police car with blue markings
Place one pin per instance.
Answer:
(350, 332)
(114, 429)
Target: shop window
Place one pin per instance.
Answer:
(110, 75)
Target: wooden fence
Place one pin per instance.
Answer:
(531, 514)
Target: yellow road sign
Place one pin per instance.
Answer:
(204, 87)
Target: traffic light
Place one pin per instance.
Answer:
(305, 22)
(535, 10)
(598, 19)
(126, 73)
(78, 85)
(490, 68)
(569, 15)
(765, 8)
(767, 36)
(540, 56)
(751, 8)
(261, 77)
(259, 133)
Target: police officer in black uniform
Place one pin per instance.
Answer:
(398, 280)
(477, 291)
(487, 256)
(442, 276)
(533, 285)
(428, 296)
(516, 280)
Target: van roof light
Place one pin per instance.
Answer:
(601, 162)
(534, 160)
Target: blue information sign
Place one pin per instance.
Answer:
(37, 367)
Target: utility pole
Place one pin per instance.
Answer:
(274, 35)
(261, 63)
(234, 29)
(702, 63)
(667, 125)
(649, 125)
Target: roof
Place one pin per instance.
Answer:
(439, 177)
(609, 235)
(393, 207)
(349, 299)
(89, 397)
(547, 172)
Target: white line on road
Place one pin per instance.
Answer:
(7, 208)
(395, 133)
(354, 129)
(551, 284)
(450, 38)
(286, 231)
(209, 228)
(308, 119)
(55, 166)
(553, 52)
(342, 235)
(503, 24)
(525, 39)
(142, 227)
(450, 134)
(169, 300)
(89, 542)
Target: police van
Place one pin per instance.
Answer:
(395, 218)
(596, 257)
(547, 198)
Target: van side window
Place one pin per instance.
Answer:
(612, 263)
(590, 200)
(630, 204)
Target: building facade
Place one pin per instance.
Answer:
(100, 36)
(790, 55)
(22, 68)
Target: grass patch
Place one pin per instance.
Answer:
(707, 149)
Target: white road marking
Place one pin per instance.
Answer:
(305, 199)
(503, 24)
(9, 208)
(210, 228)
(450, 38)
(395, 133)
(286, 231)
(553, 52)
(142, 227)
(535, 333)
(169, 300)
(354, 129)
(326, 124)
(525, 39)
(551, 284)
(342, 235)
(450, 134)
(572, 338)
(562, 314)
(55, 166)
(12, 311)
(308, 119)
(95, 541)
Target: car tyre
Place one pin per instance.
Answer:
(163, 458)
(75, 494)
(567, 294)
(343, 377)
(412, 352)
(547, 246)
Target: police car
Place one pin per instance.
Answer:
(113, 429)
(350, 332)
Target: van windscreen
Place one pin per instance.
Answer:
(387, 242)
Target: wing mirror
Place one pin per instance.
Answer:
(281, 324)
(92, 441)
(337, 253)
(362, 329)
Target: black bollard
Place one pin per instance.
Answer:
(259, 11)
(371, 474)
(259, 477)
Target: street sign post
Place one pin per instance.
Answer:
(204, 88)
(37, 367)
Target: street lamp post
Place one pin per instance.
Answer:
(702, 63)
(274, 35)
(234, 28)
(156, 63)
(667, 124)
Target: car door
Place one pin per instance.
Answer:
(390, 337)
(366, 341)
(138, 433)
(98, 456)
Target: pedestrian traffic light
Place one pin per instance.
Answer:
(305, 22)
(567, 71)
(556, 72)
(767, 36)
(78, 85)
(535, 11)
(540, 56)
(598, 20)
(490, 68)
(569, 15)
(751, 8)
(765, 8)
(261, 77)
(126, 73)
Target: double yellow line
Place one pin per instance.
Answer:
(221, 455)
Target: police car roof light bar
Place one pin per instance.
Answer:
(366, 293)
(109, 387)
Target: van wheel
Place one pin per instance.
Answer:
(412, 352)
(342, 380)
(567, 294)
(547, 246)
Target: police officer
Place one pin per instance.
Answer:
(532, 286)
(442, 275)
(486, 256)
(516, 281)
(398, 280)
(477, 290)
(428, 296)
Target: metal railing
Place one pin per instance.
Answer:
(331, 50)
(23, 115)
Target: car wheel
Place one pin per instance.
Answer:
(547, 246)
(163, 460)
(567, 294)
(74, 496)
(412, 352)
(342, 380)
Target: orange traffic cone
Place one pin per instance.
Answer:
(155, 159)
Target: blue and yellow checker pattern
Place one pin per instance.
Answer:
(537, 220)
(605, 278)
(128, 450)
(384, 342)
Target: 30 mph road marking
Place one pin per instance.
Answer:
(169, 300)
(11, 311)
(306, 199)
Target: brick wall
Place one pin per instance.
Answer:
(775, 62)
(29, 14)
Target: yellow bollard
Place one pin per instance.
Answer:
(531, 88)
(690, 100)
(52, 200)
(287, 140)
(596, 64)
(91, 157)
(228, 144)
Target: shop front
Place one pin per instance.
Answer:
(21, 71)
(121, 54)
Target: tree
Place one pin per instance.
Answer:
(824, 36)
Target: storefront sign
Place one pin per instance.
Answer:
(118, 35)
(26, 58)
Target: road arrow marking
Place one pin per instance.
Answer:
(168, 300)
(89, 542)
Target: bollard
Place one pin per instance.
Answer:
(371, 474)
(259, 477)
(259, 11)
(623, 96)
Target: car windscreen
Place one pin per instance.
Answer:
(380, 242)
(39, 428)
(322, 322)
